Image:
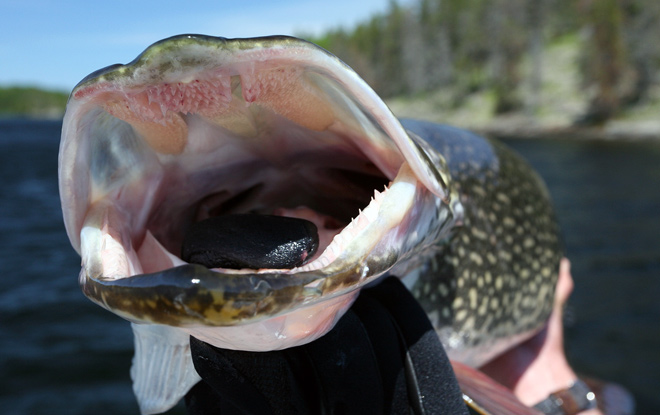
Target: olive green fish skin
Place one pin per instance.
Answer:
(192, 294)
(192, 290)
(178, 43)
(496, 276)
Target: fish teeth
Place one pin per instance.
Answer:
(378, 196)
(363, 221)
(163, 109)
(371, 213)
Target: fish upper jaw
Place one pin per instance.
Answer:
(201, 126)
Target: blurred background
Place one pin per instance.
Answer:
(572, 85)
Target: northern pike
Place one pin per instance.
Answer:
(198, 127)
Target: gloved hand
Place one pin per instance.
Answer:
(383, 357)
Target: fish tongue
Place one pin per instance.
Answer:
(250, 241)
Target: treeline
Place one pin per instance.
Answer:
(481, 44)
(30, 101)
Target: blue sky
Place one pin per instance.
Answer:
(54, 44)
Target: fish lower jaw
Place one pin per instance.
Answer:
(295, 328)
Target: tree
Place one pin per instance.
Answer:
(508, 30)
(605, 59)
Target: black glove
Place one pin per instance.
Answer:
(383, 357)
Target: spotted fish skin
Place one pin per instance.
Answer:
(492, 284)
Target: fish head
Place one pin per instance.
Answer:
(200, 126)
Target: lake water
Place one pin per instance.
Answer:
(59, 353)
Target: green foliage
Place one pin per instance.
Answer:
(31, 101)
(481, 45)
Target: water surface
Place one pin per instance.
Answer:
(607, 197)
(59, 353)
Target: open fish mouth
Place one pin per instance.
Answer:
(198, 127)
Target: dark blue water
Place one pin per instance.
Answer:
(61, 354)
(607, 197)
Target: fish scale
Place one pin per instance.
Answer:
(493, 281)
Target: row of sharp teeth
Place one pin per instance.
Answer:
(348, 234)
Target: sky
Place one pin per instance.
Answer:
(54, 44)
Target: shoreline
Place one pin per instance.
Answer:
(506, 129)
(633, 133)
(630, 126)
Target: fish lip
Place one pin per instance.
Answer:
(87, 91)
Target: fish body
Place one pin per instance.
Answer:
(198, 127)
(492, 284)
